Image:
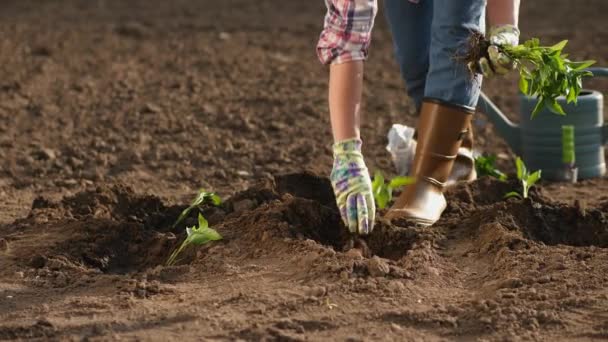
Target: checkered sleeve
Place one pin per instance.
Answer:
(347, 30)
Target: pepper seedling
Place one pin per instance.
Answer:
(195, 236)
(527, 179)
(486, 166)
(383, 192)
(544, 71)
(202, 198)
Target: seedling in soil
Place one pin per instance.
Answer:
(486, 166)
(544, 71)
(195, 236)
(383, 192)
(527, 179)
(202, 198)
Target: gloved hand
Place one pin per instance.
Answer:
(499, 63)
(353, 187)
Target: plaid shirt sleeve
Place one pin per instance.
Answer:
(347, 30)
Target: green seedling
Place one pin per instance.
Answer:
(545, 71)
(195, 236)
(383, 192)
(486, 166)
(527, 179)
(202, 198)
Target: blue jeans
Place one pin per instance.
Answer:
(427, 36)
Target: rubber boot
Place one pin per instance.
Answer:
(442, 128)
(464, 165)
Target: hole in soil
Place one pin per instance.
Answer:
(307, 185)
(122, 247)
(313, 214)
(116, 231)
(553, 223)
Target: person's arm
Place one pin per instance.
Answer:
(345, 87)
(503, 12)
(343, 46)
(503, 17)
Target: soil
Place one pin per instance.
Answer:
(112, 115)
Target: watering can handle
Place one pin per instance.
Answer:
(597, 71)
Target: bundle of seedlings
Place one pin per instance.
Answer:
(545, 71)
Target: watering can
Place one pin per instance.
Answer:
(539, 141)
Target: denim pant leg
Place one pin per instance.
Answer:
(410, 25)
(448, 80)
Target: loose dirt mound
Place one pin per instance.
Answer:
(172, 96)
(495, 257)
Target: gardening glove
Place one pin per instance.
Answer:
(499, 63)
(353, 187)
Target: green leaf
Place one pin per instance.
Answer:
(204, 236)
(539, 106)
(512, 194)
(199, 200)
(521, 168)
(215, 199)
(202, 223)
(581, 65)
(382, 198)
(559, 46)
(524, 85)
(401, 181)
(571, 94)
(485, 166)
(555, 107)
(533, 178)
(501, 176)
(378, 182)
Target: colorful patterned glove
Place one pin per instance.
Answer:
(499, 63)
(353, 187)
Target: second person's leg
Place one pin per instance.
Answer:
(410, 25)
(445, 115)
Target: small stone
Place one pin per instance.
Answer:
(45, 154)
(544, 279)
(396, 327)
(485, 320)
(242, 173)
(150, 108)
(377, 267)
(224, 36)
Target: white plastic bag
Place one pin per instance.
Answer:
(402, 147)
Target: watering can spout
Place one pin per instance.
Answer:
(506, 128)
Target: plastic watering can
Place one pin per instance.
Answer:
(539, 141)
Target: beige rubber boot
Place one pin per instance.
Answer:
(442, 127)
(464, 165)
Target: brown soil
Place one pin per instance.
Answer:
(112, 114)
